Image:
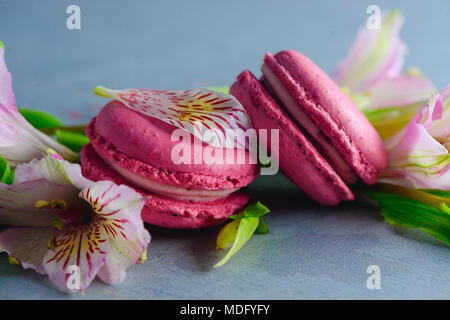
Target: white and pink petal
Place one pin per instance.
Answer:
(441, 125)
(18, 202)
(83, 247)
(53, 167)
(6, 92)
(399, 91)
(14, 146)
(119, 210)
(375, 54)
(27, 245)
(196, 111)
(32, 142)
(17, 133)
(415, 155)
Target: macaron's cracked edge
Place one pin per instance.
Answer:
(164, 211)
(282, 64)
(181, 179)
(299, 160)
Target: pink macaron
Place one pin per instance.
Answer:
(326, 142)
(131, 148)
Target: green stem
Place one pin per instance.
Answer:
(77, 128)
(104, 92)
(414, 194)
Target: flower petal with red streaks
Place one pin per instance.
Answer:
(188, 110)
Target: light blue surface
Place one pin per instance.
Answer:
(311, 251)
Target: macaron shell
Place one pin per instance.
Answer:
(131, 126)
(143, 145)
(332, 111)
(299, 160)
(164, 211)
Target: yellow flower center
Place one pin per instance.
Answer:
(52, 242)
(54, 204)
(58, 204)
(41, 204)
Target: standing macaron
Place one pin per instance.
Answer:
(135, 141)
(326, 142)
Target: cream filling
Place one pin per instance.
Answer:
(169, 190)
(321, 142)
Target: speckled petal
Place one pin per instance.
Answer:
(83, 247)
(196, 111)
(119, 208)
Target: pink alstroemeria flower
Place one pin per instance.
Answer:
(419, 153)
(19, 141)
(60, 219)
(372, 71)
(416, 133)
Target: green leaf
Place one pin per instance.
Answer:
(430, 216)
(73, 140)
(262, 226)
(40, 119)
(13, 261)
(227, 235)
(247, 227)
(6, 174)
(438, 192)
(256, 210)
(238, 231)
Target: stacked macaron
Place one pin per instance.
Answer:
(132, 148)
(326, 143)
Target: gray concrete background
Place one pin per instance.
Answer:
(311, 251)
